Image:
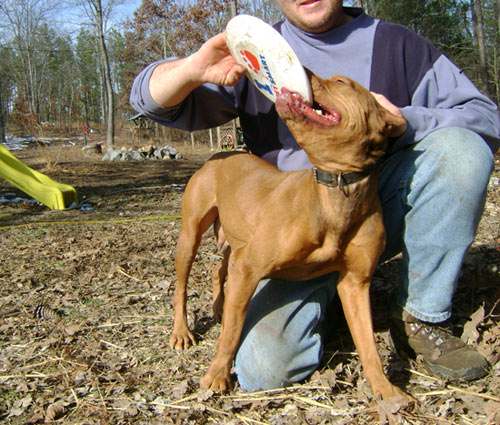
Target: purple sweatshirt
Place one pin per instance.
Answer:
(383, 57)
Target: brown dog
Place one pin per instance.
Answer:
(295, 225)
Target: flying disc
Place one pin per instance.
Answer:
(270, 62)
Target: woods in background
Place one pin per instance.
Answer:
(60, 79)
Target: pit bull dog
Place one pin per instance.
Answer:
(295, 225)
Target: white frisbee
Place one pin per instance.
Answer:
(268, 59)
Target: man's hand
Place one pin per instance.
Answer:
(213, 63)
(393, 109)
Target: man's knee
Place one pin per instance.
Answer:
(464, 160)
(281, 342)
(265, 360)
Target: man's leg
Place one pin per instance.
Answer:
(431, 213)
(282, 337)
(431, 193)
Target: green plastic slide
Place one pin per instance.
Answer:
(56, 196)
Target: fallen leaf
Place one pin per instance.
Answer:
(71, 329)
(470, 334)
(20, 406)
(445, 408)
(54, 411)
(180, 390)
(204, 395)
(388, 410)
(492, 409)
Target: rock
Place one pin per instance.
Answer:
(145, 152)
(136, 156)
(112, 155)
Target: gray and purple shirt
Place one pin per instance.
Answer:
(383, 57)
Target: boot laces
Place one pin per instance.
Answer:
(437, 335)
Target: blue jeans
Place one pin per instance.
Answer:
(432, 197)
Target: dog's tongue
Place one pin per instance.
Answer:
(292, 105)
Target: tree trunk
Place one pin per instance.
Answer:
(110, 113)
(496, 53)
(497, 14)
(2, 118)
(478, 25)
(102, 93)
(233, 7)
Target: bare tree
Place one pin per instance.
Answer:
(23, 19)
(478, 25)
(99, 14)
(264, 9)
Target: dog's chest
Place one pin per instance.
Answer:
(309, 261)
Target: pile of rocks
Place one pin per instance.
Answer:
(141, 154)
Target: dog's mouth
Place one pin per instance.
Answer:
(292, 105)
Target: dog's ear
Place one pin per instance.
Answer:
(395, 125)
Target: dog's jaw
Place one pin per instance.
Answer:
(292, 106)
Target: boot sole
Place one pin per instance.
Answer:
(460, 375)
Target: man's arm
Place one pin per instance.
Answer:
(445, 97)
(172, 82)
(430, 90)
(163, 90)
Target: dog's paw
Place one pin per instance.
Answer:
(397, 399)
(182, 340)
(221, 382)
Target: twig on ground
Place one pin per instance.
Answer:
(77, 401)
(111, 344)
(277, 390)
(28, 375)
(250, 420)
(123, 272)
(473, 393)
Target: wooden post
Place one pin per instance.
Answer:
(218, 139)
(235, 135)
(211, 139)
(192, 139)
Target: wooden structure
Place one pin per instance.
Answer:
(141, 127)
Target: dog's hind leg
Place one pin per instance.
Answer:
(219, 274)
(198, 213)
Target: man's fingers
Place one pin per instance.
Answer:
(386, 103)
(235, 74)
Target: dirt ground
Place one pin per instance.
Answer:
(85, 315)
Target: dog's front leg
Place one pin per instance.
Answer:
(353, 290)
(240, 286)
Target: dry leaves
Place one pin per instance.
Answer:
(107, 358)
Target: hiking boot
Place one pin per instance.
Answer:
(443, 354)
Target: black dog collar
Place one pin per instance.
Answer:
(339, 179)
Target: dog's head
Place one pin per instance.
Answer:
(345, 127)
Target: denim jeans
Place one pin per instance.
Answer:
(432, 197)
